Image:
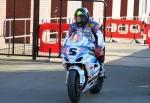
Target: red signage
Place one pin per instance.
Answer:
(122, 28)
(50, 38)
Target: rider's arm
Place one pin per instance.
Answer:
(67, 36)
(101, 42)
(99, 36)
(71, 30)
(99, 50)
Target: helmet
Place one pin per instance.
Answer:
(81, 16)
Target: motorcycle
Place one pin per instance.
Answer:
(82, 66)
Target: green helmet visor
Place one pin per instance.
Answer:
(81, 20)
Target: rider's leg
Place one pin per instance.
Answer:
(102, 69)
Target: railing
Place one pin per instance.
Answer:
(9, 36)
(8, 33)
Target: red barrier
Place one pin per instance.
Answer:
(53, 45)
(115, 28)
(122, 28)
(147, 32)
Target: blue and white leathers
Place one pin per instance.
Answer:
(77, 53)
(93, 26)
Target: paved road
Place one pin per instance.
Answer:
(128, 72)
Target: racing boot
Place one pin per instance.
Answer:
(102, 71)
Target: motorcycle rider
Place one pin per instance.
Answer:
(84, 22)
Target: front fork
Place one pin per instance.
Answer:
(80, 71)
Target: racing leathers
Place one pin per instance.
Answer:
(96, 35)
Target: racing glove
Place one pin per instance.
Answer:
(98, 51)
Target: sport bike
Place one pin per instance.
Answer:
(81, 65)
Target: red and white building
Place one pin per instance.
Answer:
(51, 9)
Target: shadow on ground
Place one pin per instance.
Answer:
(27, 81)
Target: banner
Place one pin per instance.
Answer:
(50, 38)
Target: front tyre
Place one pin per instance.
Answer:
(73, 86)
(97, 88)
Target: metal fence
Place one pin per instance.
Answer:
(20, 19)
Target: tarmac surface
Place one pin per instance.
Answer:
(43, 81)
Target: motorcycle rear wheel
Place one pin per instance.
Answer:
(73, 86)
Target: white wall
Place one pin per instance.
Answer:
(2, 15)
(148, 6)
(142, 7)
(148, 12)
(116, 8)
(130, 8)
(71, 8)
(98, 11)
(45, 9)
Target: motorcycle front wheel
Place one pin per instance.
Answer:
(73, 86)
(97, 88)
